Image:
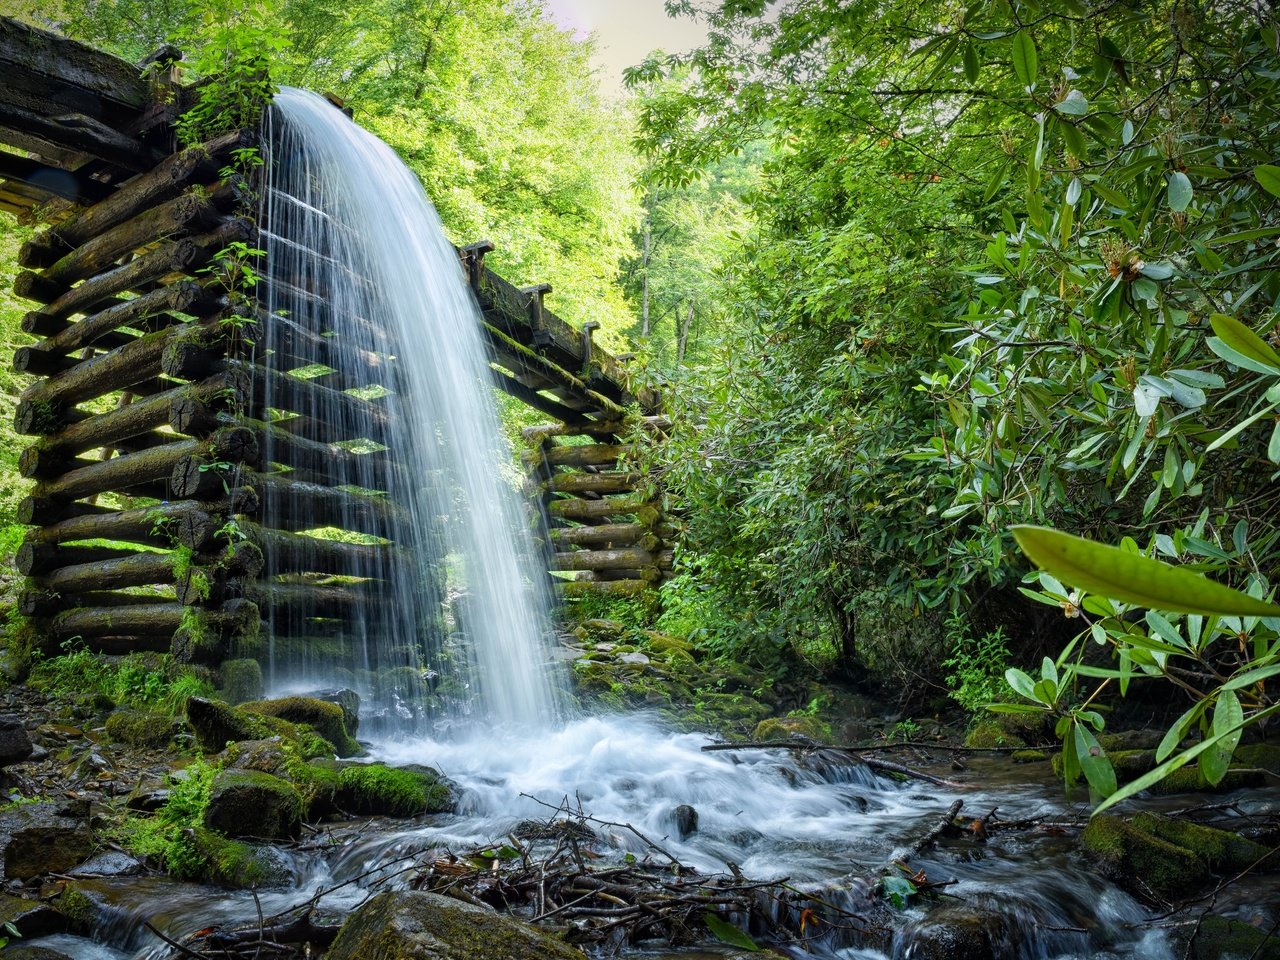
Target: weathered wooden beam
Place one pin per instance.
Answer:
(294, 553)
(297, 505)
(596, 511)
(185, 523)
(168, 179)
(288, 601)
(66, 184)
(47, 603)
(622, 558)
(527, 395)
(82, 134)
(573, 589)
(609, 482)
(521, 359)
(90, 80)
(616, 428)
(587, 454)
(140, 569)
(33, 559)
(605, 535)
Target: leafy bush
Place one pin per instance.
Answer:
(977, 666)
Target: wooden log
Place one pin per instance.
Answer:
(322, 462)
(47, 603)
(185, 523)
(588, 455)
(623, 558)
(33, 510)
(179, 217)
(281, 391)
(61, 183)
(601, 483)
(190, 409)
(573, 589)
(596, 511)
(285, 602)
(83, 74)
(34, 559)
(521, 359)
(532, 398)
(37, 362)
(296, 505)
(302, 554)
(616, 428)
(607, 534)
(137, 570)
(185, 296)
(81, 134)
(165, 181)
(157, 463)
(211, 635)
(182, 256)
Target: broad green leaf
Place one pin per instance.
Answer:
(898, 890)
(1021, 683)
(1093, 761)
(1025, 62)
(1132, 578)
(1180, 191)
(1238, 429)
(1244, 341)
(1013, 708)
(1269, 177)
(1227, 720)
(971, 65)
(1178, 731)
(1250, 677)
(726, 932)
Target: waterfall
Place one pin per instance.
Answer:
(431, 601)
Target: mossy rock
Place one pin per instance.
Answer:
(241, 681)
(319, 788)
(1218, 938)
(238, 865)
(248, 803)
(216, 724)
(404, 925)
(140, 728)
(1259, 756)
(600, 631)
(265, 756)
(668, 645)
(378, 790)
(1221, 850)
(988, 734)
(324, 717)
(782, 728)
(1140, 862)
(1188, 780)
(1028, 756)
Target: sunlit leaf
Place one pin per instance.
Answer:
(1132, 578)
(1026, 64)
(1245, 342)
(1269, 177)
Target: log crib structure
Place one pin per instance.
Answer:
(151, 504)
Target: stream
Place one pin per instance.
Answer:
(824, 823)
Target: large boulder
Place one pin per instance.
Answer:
(325, 717)
(412, 925)
(31, 918)
(140, 728)
(1142, 862)
(248, 803)
(379, 790)
(41, 838)
(15, 744)
(216, 724)
(958, 933)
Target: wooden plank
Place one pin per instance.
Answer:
(98, 79)
(50, 180)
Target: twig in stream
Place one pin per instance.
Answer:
(946, 824)
(186, 951)
(808, 746)
(564, 808)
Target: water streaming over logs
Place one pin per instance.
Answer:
(374, 341)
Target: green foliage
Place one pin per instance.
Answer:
(168, 834)
(976, 665)
(138, 680)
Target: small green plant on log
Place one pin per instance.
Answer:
(236, 42)
(1219, 646)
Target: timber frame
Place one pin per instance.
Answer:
(146, 404)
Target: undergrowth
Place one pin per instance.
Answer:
(136, 680)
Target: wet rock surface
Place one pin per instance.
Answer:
(41, 838)
(412, 925)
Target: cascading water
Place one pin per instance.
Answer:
(368, 305)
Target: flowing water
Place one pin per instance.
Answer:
(370, 313)
(364, 290)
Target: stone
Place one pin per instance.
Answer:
(348, 700)
(686, 818)
(112, 863)
(241, 866)
(31, 918)
(265, 756)
(412, 925)
(241, 681)
(1218, 938)
(40, 838)
(378, 790)
(216, 724)
(33, 951)
(1221, 850)
(15, 743)
(324, 717)
(636, 659)
(958, 933)
(140, 728)
(1142, 863)
(783, 728)
(247, 803)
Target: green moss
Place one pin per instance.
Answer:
(1188, 780)
(987, 734)
(1028, 756)
(1217, 938)
(378, 789)
(1220, 849)
(1144, 864)
(140, 728)
(324, 717)
(781, 728)
(1259, 756)
(76, 907)
(233, 863)
(248, 803)
(241, 680)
